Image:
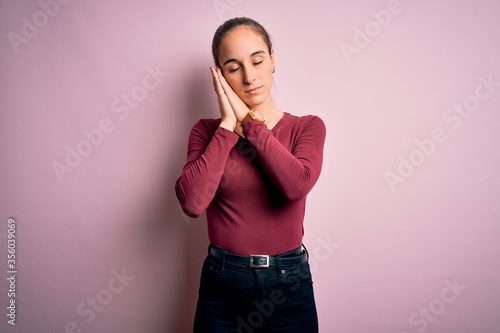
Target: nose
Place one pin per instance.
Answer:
(248, 75)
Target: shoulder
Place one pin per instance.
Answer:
(305, 122)
(206, 127)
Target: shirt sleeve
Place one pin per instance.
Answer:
(206, 159)
(293, 172)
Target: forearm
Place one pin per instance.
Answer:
(293, 172)
(200, 177)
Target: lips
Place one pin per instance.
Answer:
(253, 90)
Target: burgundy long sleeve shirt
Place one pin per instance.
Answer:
(254, 189)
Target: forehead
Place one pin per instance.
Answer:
(241, 42)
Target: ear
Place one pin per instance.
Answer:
(273, 62)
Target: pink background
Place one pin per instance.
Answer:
(385, 256)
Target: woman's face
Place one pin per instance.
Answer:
(247, 65)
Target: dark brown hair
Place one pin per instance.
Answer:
(229, 25)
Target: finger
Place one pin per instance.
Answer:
(216, 82)
(240, 109)
(227, 88)
(224, 105)
(214, 78)
(222, 81)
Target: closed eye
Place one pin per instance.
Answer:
(232, 70)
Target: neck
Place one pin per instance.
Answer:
(269, 110)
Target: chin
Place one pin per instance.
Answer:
(254, 102)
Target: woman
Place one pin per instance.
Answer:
(251, 171)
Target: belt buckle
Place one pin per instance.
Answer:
(262, 261)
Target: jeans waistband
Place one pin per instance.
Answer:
(291, 258)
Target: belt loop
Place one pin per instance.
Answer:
(305, 249)
(223, 259)
(277, 261)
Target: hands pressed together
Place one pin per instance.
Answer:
(232, 108)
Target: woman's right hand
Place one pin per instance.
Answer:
(228, 118)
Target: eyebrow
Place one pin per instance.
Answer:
(234, 60)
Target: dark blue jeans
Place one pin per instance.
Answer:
(235, 298)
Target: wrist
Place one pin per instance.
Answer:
(252, 115)
(228, 124)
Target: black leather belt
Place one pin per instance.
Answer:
(291, 258)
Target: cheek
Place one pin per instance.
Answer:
(234, 81)
(267, 80)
